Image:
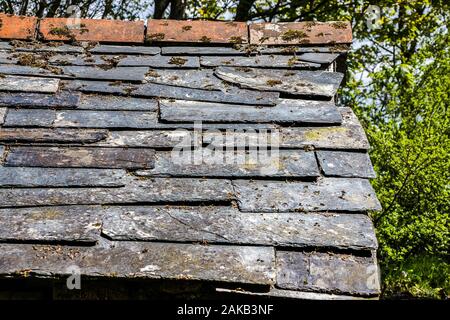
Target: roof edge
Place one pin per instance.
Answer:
(174, 31)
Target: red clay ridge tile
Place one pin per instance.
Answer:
(196, 31)
(92, 30)
(17, 27)
(308, 32)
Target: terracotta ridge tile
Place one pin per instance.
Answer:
(176, 31)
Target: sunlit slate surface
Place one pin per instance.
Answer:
(91, 173)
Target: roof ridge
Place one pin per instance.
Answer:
(175, 31)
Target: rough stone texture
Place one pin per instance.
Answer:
(265, 61)
(210, 163)
(160, 62)
(116, 74)
(334, 273)
(286, 111)
(61, 177)
(99, 102)
(24, 135)
(241, 264)
(28, 84)
(17, 27)
(81, 119)
(196, 31)
(156, 190)
(53, 47)
(80, 157)
(167, 91)
(92, 30)
(348, 136)
(317, 57)
(112, 49)
(300, 33)
(72, 224)
(152, 139)
(314, 83)
(228, 225)
(345, 164)
(327, 194)
(19, 70)
(61, 99)
(2, 115)
(291, 294)
(198, 79)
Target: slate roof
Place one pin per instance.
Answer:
(88, 177)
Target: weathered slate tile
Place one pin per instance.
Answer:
(28, 84)
(7, 57)
(313, 83)
(106, 119)
(198, 79)
(81, 119)
(159, 61)
(156, 190)
(292, 294)
(241, 264)
(265, 61)
(77, 157)
(200, 51)
(229, 225)
(151, 138)
(116, 74)
(167, 91)
(219, 163)
(326, 272)
(2, 115)
(108, 61)
(302, 60)
(317, 57)
(286, 111)
(348, 136)
(51, 135)
(62, 99)
(60, 177)
(327, 194)
(111, 49)
(57, 47)
(16, 70)
(74, 224)
(29, 118)
(109, 102)
(345, 164)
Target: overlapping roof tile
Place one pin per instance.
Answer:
(89, 175)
